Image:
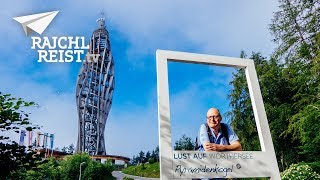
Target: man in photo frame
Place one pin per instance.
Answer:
(217, 136)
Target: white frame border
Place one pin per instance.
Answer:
(163, 56)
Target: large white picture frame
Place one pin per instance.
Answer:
(195, 164)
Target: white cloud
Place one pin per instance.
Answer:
(214, 27)
(219, 27)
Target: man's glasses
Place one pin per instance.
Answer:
(214, 117)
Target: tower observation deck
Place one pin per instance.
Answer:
(94, 91)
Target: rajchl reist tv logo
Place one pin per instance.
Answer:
(54, 49)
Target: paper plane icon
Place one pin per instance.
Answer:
(36, 22)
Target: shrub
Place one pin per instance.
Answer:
(151, 160)
(314, 165)
(96, 170)
(300, 171)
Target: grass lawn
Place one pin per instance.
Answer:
(144, 170)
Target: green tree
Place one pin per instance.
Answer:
(290, 86)
(148, 156)
(11, 115)
(64, 149)
(98, 171)
(156, 153)
(141, 157)
(184, 143)
(49, 168)
(71, 149)
(153, 157)
(278, 96)
(70, 167)
(305, 127)
(14, 158)
(134, 160)
(295, 28)
(242, 114)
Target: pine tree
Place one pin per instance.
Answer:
(184, 143)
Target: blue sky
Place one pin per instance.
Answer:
(137, 29)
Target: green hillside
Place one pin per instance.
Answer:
(144, 170)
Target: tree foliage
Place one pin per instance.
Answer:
(47, 169)
(12, 118)
(68, 149)
(69, 168)
(98, 171)
(143, 157)
(14, 158)
(295, 28)
(305, 127)
(290, 86)
(278, 99)
(242, 114)
(184, 143)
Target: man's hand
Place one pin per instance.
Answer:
(235, 146)
(213, 147)
(207, 146)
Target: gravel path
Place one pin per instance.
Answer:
(119, 175)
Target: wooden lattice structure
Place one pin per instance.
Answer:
(95, 86)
